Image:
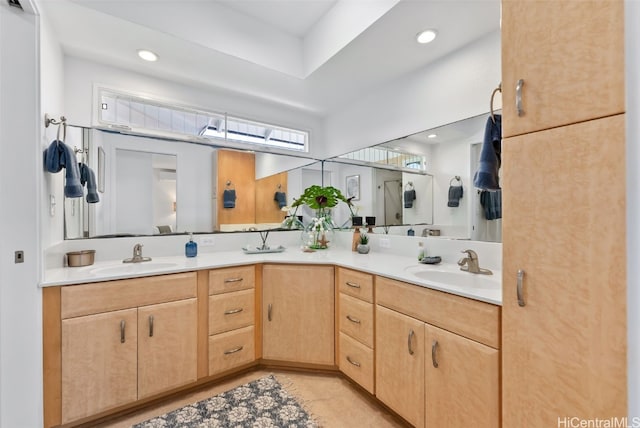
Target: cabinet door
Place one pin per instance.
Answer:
(99, 363)
(564, 351)
(400, 364)
(298, 314)
(462, 381)
(570, 55)
(167, 352)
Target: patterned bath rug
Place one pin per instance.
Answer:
(263, 403)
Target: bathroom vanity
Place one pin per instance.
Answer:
(112, 344)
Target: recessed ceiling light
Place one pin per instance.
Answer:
(432, 135)
(426, 36)
(147, 55)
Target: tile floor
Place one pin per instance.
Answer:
(333, 401)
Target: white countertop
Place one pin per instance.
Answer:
(397, 267)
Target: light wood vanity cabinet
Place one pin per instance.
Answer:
(356, 326)
(231, 318)
(400, 364)
(298, 314)
(418, 329)
(126, 340)
(563, 175)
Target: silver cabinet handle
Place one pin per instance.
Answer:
(122, 328)
(519, 86)
(233, 311)
(519, 286)
(227, 280)
(269, 309)
(352, 319)
(434, 348)
(353, 284)
(150, 325)
(355, 363)
(234, 350)
(409, 339)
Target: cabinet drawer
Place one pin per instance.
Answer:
(356, 319)
(231, 349)
(356, 361)
(356, 284)
(470, 318)
(231, 279)
(86, 299)
(230, 311)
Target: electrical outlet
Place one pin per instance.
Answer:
(206, 241)
(384, 243)
(19, 256)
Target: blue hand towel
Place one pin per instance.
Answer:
(229, 198)
(486, 177)
(455, 193)
(409, 197)
(87, 176)
(492, 204)
(280, 198)
(59, 156)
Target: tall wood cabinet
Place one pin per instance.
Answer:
(298, 314)
(564, 264)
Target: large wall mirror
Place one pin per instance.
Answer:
(450, 153)
(151, 186)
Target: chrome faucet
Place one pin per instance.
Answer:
(470, 263)
(137, 255)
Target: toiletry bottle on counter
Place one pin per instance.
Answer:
(421, 252)
(411, 232)
(191, 247)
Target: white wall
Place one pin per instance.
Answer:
(632, 41)
(20, 184)
(456, 87)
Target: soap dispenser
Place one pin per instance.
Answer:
(191, 247)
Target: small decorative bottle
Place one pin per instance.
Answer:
(191, 247)
(421, 252)
(357, 223)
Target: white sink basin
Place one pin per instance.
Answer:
(456, 278)
(132, 268)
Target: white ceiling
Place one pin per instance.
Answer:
(316, 55)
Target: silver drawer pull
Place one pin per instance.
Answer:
(519, 287)
(234, 350)
(227, 280)
(409, 340)
(269, 308)
(122, 332)
(353, 284)
(352, 319)
(355, 363)
(233, 311)
(434, 348)
(519, 86)
(150, 325)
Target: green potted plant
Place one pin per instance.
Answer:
(321, 199)
(363, 245)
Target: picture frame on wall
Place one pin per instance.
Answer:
(352, 186)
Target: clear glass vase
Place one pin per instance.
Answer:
(319, 232)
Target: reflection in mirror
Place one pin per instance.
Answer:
(448, 151)
(156, 186)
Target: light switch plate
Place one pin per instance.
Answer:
(206, 241)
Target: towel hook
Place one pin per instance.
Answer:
(62, 123)
(493, 94)
(409, 185)
(456, 178)
(279, 186)
(229, 184)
